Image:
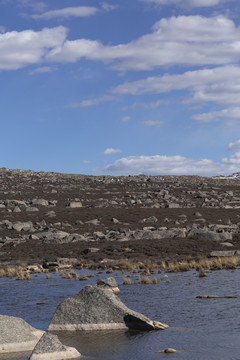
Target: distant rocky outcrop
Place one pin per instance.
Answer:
(49, 347)
(96, 308)
(16, 335)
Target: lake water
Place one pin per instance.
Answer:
(201, 329)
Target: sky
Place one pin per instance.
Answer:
(120, 87)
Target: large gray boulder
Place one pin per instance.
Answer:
(96, 308)
(210, 235)
(49, 347)
(16, 335)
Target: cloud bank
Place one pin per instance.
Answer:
(187, 3)
(173, 165)
(182, 40)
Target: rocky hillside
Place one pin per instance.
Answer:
(48, 217)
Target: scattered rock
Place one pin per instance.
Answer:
(75, 204)
(41, 202)
(91, 250)
(93, 222)
(223, 253)
(167, 351)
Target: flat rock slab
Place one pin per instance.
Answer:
(49, 347)
(95, 308)
(16, 335)
(225, 253)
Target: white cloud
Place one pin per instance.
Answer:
(111, 151)
(126, 118)
(19, 49)
(183, 40)
(42, 69)
(187, 3)
(108, 7)
(220, 85)
(148, 105)
(92, 102)
(234, 145)
(173, 165)
(225, 114)
(2, 29)
(77, 11)
(157, 124)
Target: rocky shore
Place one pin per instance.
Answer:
(64, 220)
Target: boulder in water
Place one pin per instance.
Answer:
(16, 335)
(49, 347)
(96, 308)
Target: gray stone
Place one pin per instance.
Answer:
(210, 235)
(173, 206)
(151, 219)
(223, 253)
(41, 202)
(16, 335)
(115, 221)
(91, 250)
(49, 347)
(198, 214)
(53, 236)
(32, 209)
(227, 244)
(50, 214)
(160, 234)
(95, 308)
(93, 222)
(23, 226)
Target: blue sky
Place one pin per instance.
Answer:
(120, 87)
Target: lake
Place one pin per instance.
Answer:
(201, 329)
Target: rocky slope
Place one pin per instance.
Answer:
(48, 217)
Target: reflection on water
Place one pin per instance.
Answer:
(201, 329)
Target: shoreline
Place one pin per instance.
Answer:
(142, 269)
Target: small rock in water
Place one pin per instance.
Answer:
(167, 351)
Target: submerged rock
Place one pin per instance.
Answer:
(17, 335)
(49, 347)
(95, 308)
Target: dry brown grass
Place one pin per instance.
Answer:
(127, 281)
(145, 280)
(219, 263)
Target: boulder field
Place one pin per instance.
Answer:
(90, 219)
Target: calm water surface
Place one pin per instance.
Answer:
(201, 329)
